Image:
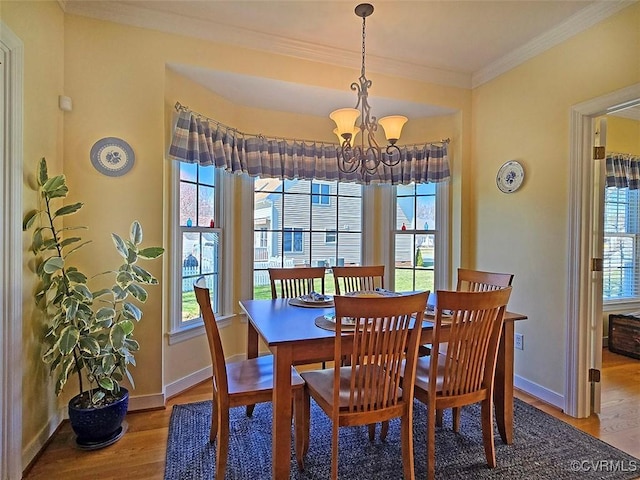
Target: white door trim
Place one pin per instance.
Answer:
(579, 299)
(11, 160)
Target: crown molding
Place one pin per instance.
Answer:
(129, 14)
(577, 23)
(220, 33)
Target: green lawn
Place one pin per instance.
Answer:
(403, 283)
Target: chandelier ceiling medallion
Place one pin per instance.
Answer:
(368, 155)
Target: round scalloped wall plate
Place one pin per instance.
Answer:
(112, 156)
(510, 176)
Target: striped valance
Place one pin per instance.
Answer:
(197, 139)
(623, 170)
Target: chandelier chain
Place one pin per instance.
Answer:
(364, 19)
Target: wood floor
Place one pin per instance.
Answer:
(141, 451)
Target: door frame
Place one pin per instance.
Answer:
(11, 161)
(580, 338)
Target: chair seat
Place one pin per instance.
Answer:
(320, 382)
(255, 375)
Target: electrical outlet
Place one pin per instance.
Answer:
(518, 341)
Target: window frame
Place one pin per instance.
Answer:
(631, 217)
(179, 330)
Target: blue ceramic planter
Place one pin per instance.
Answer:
(98, 427)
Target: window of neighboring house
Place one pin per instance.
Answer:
(621, 264)
(330, 236)
(292, 240)
(197, 242)
(320, 193)
(415, 237)
(301, 217)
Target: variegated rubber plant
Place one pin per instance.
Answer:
(89, 333)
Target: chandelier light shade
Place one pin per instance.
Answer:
(392, 126)
(345, 119)
(368, 154)
(340, 136)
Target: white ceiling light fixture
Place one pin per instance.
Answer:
(368, 155)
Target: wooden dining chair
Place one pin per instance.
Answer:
(368, 389)
(297, 281)
(358, 278)
(475, 281)
(243, 383)
(463, 373)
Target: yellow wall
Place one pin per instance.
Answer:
(623, 135)
(40, 26)
(524, 115)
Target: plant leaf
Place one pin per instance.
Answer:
(29, 218)
(127, 327)
(136, 233)
(120, 245)
(42, 172)
(105, 313)
(151, 252)
(77, 248)
(53, 264)
(53, 184)
(138, 292)
(69, 241)
(68, 209)
(131, 311)
(76, 276)
(106, 383)
(69, 337)
(89, 344)
(117, 336)
(97, 396)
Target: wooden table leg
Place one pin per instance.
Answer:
(282, 412)
(503, 388)
(252, 341)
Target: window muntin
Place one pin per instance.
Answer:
(415, 237)
(621, 265)
(297, 227)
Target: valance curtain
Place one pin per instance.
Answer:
(623, 170)
(197, 139)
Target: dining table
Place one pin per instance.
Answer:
(291, 333)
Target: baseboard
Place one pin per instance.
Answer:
(146, 402)
(179, 386)
(175, 388)
(538, 391)
(33, 449)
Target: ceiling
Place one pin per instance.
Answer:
(456, 43)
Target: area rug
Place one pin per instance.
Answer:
(543, 448)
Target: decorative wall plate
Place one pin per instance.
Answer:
(112, 156)
(510, 176)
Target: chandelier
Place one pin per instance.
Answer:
(368, 155)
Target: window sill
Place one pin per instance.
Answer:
(196, 329)
(621, 305)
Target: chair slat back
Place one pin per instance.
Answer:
(358, 278)
(293, 282)
(383, 336)
(475, 323)
(477, 281)
(220, 384)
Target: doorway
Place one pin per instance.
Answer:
(584, 314)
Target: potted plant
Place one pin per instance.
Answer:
(89, 332)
